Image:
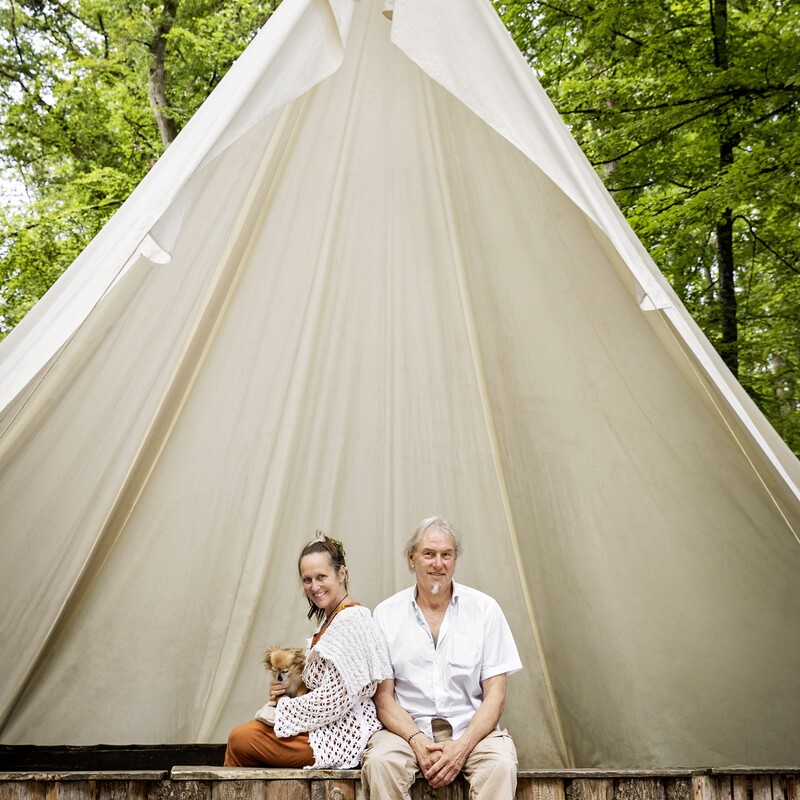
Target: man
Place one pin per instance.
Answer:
(451, 651)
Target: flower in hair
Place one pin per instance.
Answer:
(339, 545)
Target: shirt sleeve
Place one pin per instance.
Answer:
(325, 704)
(499, 643)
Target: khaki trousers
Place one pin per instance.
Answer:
(389, 767)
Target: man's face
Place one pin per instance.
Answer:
(434, 561)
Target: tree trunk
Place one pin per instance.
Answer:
(729, 343)
(156, 78)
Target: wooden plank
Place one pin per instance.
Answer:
(238, 790)
(721, 786)
(35, 790)
(540, 789)
(421, 790)
(704, 787)
(12, 790)
(72, 790)
(678, 788)
(639, 789)
(333, 790)
(115, 775)
(23, 790)
(590, 789)
(288, 790)
(457, 790)
(591, 774)
(739, 787)
(120, 790)
(211, 783)
(741, 770)
(189, 790)
(158, 790)
(762, 787)
(87, 775)
(183, 773)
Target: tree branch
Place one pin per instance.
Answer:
(765, 91)
(660, 135)
(765, 245)
(18, 47)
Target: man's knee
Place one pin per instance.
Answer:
(372, 764)
(383, 755)
(503, 766)
(498, 746)
(386, 771)
(492, 768)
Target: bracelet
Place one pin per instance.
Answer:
(412, 736)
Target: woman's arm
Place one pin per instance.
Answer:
(327, 703)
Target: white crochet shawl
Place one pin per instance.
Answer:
(342, 672)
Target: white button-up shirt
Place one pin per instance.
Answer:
(444, 680)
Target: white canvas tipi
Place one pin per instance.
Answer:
(374, 279)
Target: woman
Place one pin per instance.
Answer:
(329, 726)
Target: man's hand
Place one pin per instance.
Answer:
(427, 752)
(397, 720)
(456, 751)
(445, 770)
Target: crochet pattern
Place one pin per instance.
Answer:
(342, 672)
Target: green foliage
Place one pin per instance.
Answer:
(651, 102)
(78, 129)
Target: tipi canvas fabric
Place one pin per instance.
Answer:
(384, 284)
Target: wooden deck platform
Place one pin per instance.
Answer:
(199, 782)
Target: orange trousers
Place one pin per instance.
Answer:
(255, 744)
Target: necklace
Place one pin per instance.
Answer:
(316, 637)
(338, 605)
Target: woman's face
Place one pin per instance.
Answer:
(323, 584)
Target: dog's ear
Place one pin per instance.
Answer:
(268, 656)
(298, 658)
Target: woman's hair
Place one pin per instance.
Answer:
(335, 552)
(432, 522)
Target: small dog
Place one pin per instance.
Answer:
(286, 664)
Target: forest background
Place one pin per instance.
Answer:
(688, 110)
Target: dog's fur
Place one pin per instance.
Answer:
(286, 664)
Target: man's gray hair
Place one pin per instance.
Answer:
(433, 522)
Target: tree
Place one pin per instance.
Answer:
(689, 112)
(91, 93)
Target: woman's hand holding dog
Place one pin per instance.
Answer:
(266, 713)
(276, 690)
